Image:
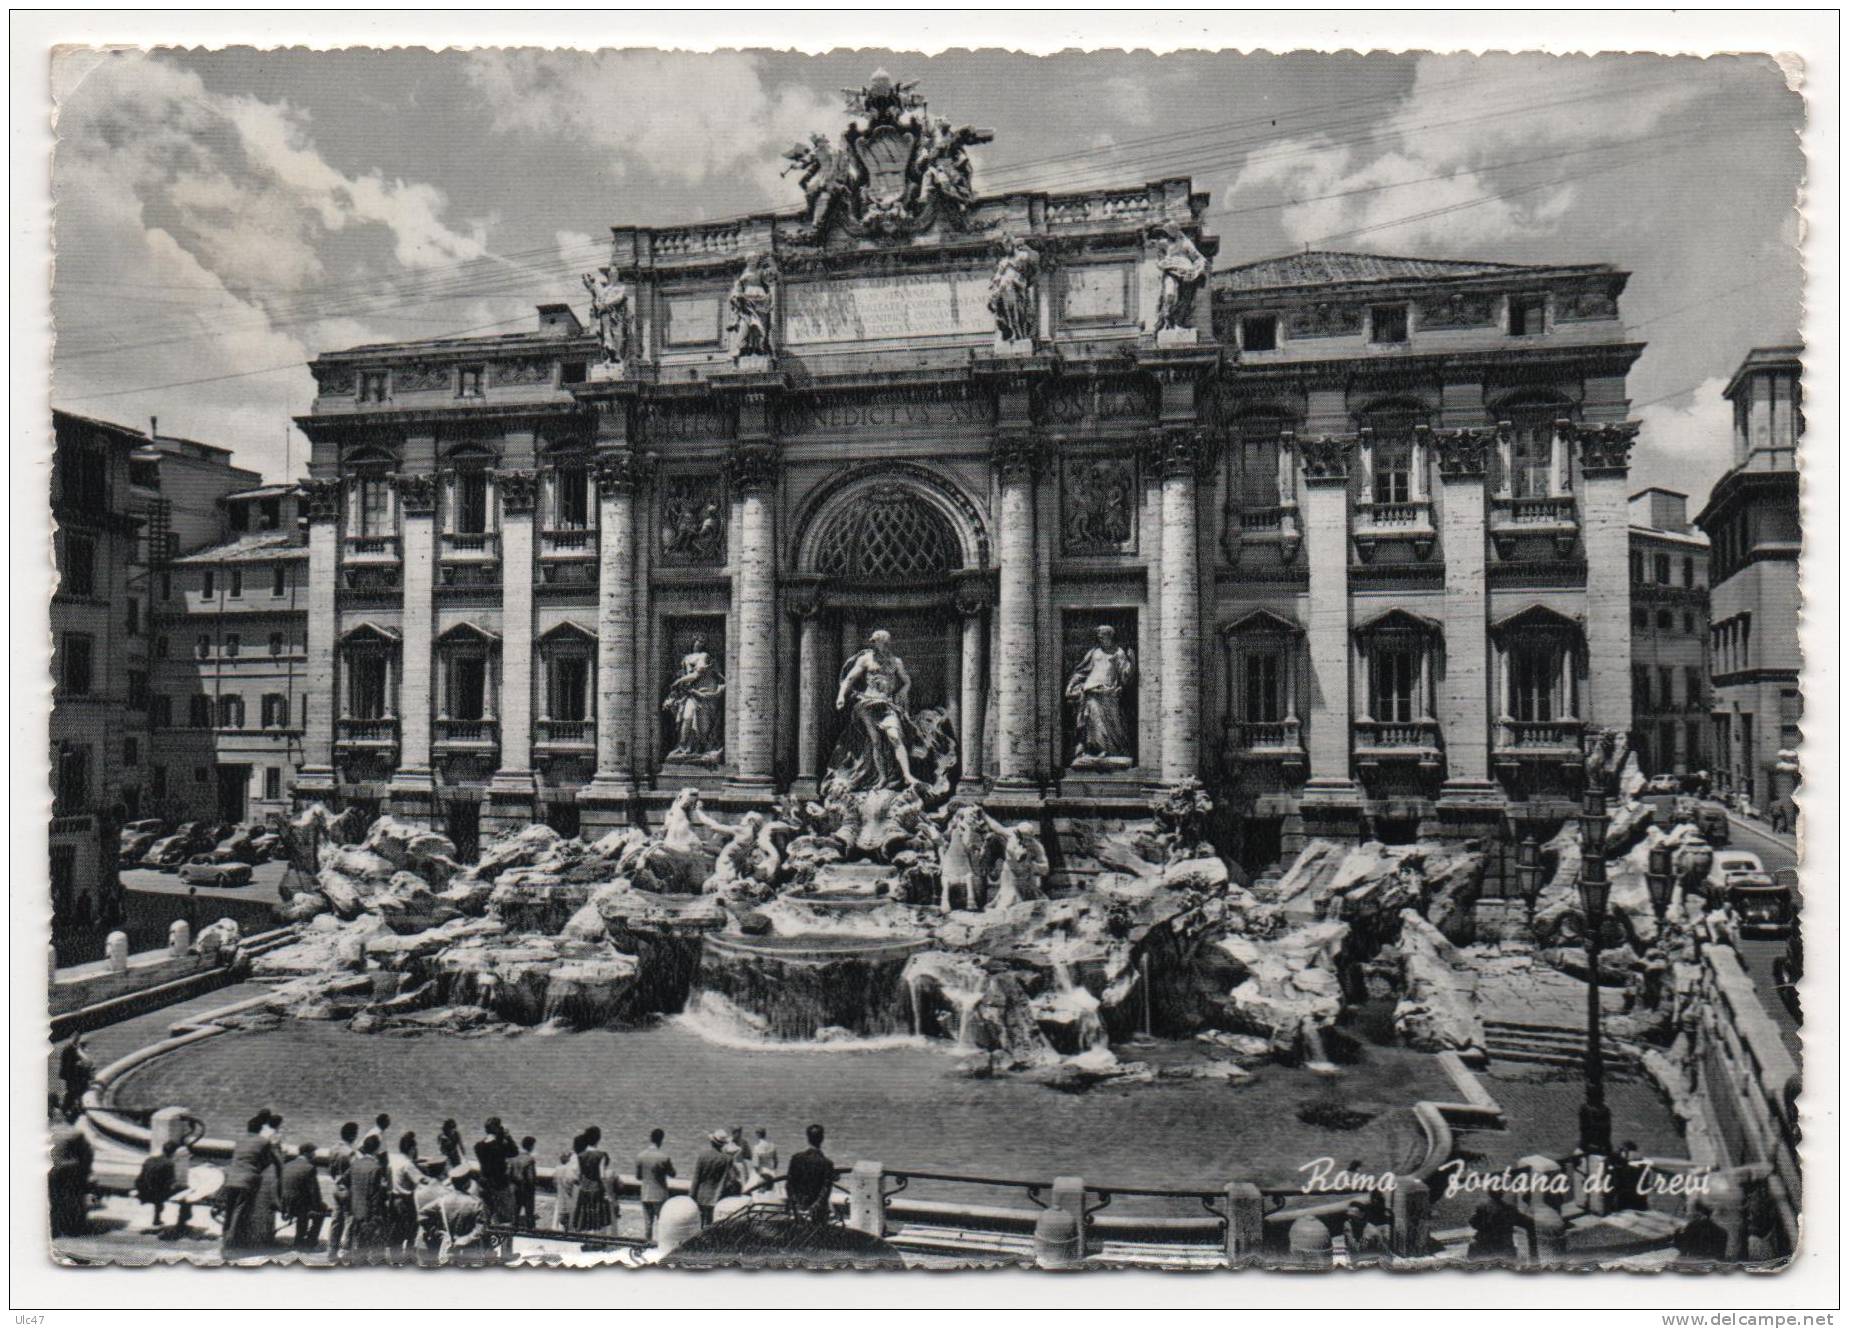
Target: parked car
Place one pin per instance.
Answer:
(1711, 821)
(1663, 784)
(136, 839)
(202, 870)
(1765, 907)
(172, 850)
(238, 847)
(267, 845)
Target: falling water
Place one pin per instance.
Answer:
(1148, 1016)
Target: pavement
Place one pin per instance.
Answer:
(265, 884)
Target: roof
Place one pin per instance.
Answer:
(136, 435)
(257, 547)
(1693, 538)
(501, 342)
(264, 491)
(1330, 267)
(1763, 358)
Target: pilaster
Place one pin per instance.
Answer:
(754, 468)
(1605, 464)
(607, 803)
(511, 793)
(1464, 703)
(1020, 456)
(412, 789)
(1179, 454)
(315, 779)
(1325, 469)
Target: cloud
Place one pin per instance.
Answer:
(1686, 443)
(1425, 175)
(1129, 98)
(682, 115)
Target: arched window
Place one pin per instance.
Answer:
(889, 533)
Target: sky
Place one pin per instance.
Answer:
(224, 216)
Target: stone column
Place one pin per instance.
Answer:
(511, 800)
(604, 804)
(1177, 454)
(412, 789)
(1325, 536)
(754, 691)
(1605, 463)
(1466, 706)
(315, 779)
(805, 605)
(1019, 456)
(972, 600)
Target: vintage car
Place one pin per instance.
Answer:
(136, 839)
(238, 847)
(203, 870)
(1711, 821)
(1663, 784)
(1765, 906)
(175, 849)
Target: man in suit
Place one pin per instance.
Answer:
(339, 1159)
(711, 1171)
(301, 1198)
(811, 1180)
(368, 1201)
(653, 1168)
(251, 1157)
(523, 1174)
(494, 1152)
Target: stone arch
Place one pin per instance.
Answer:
(920, 497)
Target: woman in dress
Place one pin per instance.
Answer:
(594, 1213)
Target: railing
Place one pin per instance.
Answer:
(577, 541)
(1391, 735)
(723, 238)
(1098, 207)
(568, 731)
(1263, 735)
(1539, 735)
(372, 547)
(469, 544)
(382, 732)
(80, 824)
(1252, 520)
(1540, 510)
(475, 732)
(1391, 516)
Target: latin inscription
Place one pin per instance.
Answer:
(915, 407)
(883, 308)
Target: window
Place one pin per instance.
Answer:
(279, 579)
(1257, 459)
(240, 518)
(1666, 687)
(304, 721)
(471, 512)
(372, 385)
(79, 565)
(1528, 314)
(1688, 572)
(199, 712)
(1662, 569)
(276, 643)
(1640, 687)
(208, 584)
(160, 647)
(133, 617)
(568, 687)
(237, 583)
(1532, 456)
(275, 711)
(166, 586)
(1393, 471)
(1688, 623)
(1388, 324)
(1692, 685)
(231, 712)
(1693, 732)
(1534, 682)
(468, 687)
(160, 712)
(131, 751)
(1264, 687)
(84, 485)
(1258, 332)
(1637, 568)
(1665, 621)
(137, 690)
(77, 664)
(272, 782)
(231, 645)
(1640, 618)
(365, 686)
(72, 791)
(157, 781)
(573, 498)
(144, 474)
(374, 502)
(572, 371)
(1394, 671)
(204, 646)
(270, 513)
(469, 381)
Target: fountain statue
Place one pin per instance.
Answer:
(1096, 690)
(695, 700)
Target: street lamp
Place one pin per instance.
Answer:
(1659, 878)
(1606, 760)
(1528, 871)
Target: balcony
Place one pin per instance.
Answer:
(1275, 525)
(372, 549)
(470, 546)
(1378, 742)
(1550, 515)
(468, 735)
(80, 824)
(1410, 521)
(1540, 740)
(566, 736)
(372, 735)
(576, 542)
(1266, 741)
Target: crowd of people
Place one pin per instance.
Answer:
(392, 1203)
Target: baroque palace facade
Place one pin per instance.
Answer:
(1357, 525)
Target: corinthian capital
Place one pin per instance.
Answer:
(518, 490)
(753, 466)
(1606, 449)
(622, 472)
(1173, 450)
(1325, 457)
(1463, 453)
(323, 499)
(1020, 454)
(417, 492)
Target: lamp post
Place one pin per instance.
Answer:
(1528, 871)
(1603, 762)
(1659, 878)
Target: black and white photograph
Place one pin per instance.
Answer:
(857, 659)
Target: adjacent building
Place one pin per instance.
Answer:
(1753, 528)
(230, 663)
(1669, 635)
(1361, 522)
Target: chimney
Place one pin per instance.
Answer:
(154, 431)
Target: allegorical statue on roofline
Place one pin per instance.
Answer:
(1011, 291)
(1184, 271)
(896, 171)
(609, 315)
(753, 304)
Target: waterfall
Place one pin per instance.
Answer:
(966, 1003)
(1148, 1015)
(1071, 995)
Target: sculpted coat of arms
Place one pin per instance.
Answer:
(896, 170)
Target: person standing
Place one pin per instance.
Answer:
(1494, 1224)
(653, 1168)
(368, 1201)
(523, 1174)
(381, 1124)
(1702, 1242)
(302, 1202)
(764, 1157)
(565, 1187)
(76, 1068)
(253, 1158)
(449, 1143)
(811, 1180)
(493, 1153)
(158, 1182)
(339, 1159)
(711, 1172)
(401, 1225)
(595, 1212)
(72, 1157)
